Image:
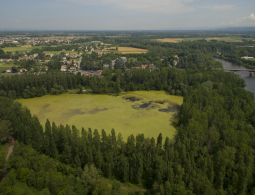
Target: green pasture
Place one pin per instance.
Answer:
(54, 52)
(107, 112)
(20, 49)
(5, 65)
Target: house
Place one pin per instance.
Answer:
(8, 71)
(49, 54)
(144, 66)
(22, 70)
(113, 63)
(124, 59)
(246, 57)
(176, 56)
(106, 65)
(73, 68)
(152, 66)
(175, 62)
(44, 68)
(63, 68)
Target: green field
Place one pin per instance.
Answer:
(107, 112)
(5, 65)
(54, 52)
(20, 49)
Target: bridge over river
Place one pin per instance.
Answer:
(237, 69)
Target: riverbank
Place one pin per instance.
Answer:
(249, 80)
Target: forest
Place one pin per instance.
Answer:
(212, 152)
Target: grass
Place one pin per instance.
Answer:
(20, 49)
(126, 50)
(107, 112)
(54, 52)
(5, 65)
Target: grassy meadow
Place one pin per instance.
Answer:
(54, 52)
(126, 50)
(107, 112)
(5, 65)
(20, 49)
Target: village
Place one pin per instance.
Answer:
(68, 52)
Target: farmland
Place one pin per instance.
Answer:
(55, 52)
(124, 116)
(126, 50)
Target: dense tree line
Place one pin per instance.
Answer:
(31, 85)
(49, 176)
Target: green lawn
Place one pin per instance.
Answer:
(54, 52)
(20, 49)
(5, 65)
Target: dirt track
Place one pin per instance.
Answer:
(9, 151)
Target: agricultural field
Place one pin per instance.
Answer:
(177, 40)
(5, 65)
(106, 112)
(20, 49)
(126, 50)
(54, 52)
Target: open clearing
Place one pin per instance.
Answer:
(54, 52)
(107, 112)
(177, 40)
(125, 50)
(5, 65)
(20, 49)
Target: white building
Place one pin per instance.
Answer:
(246, 57)
(63, 68)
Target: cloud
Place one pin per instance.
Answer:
(218, 7)
(149, 6)
(245, 21)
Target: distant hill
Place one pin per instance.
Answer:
(237, 29)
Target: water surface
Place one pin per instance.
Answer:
(250, 81)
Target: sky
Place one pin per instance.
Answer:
(125, 14)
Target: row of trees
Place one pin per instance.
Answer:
(50, 177)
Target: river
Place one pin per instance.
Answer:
(250, 81)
